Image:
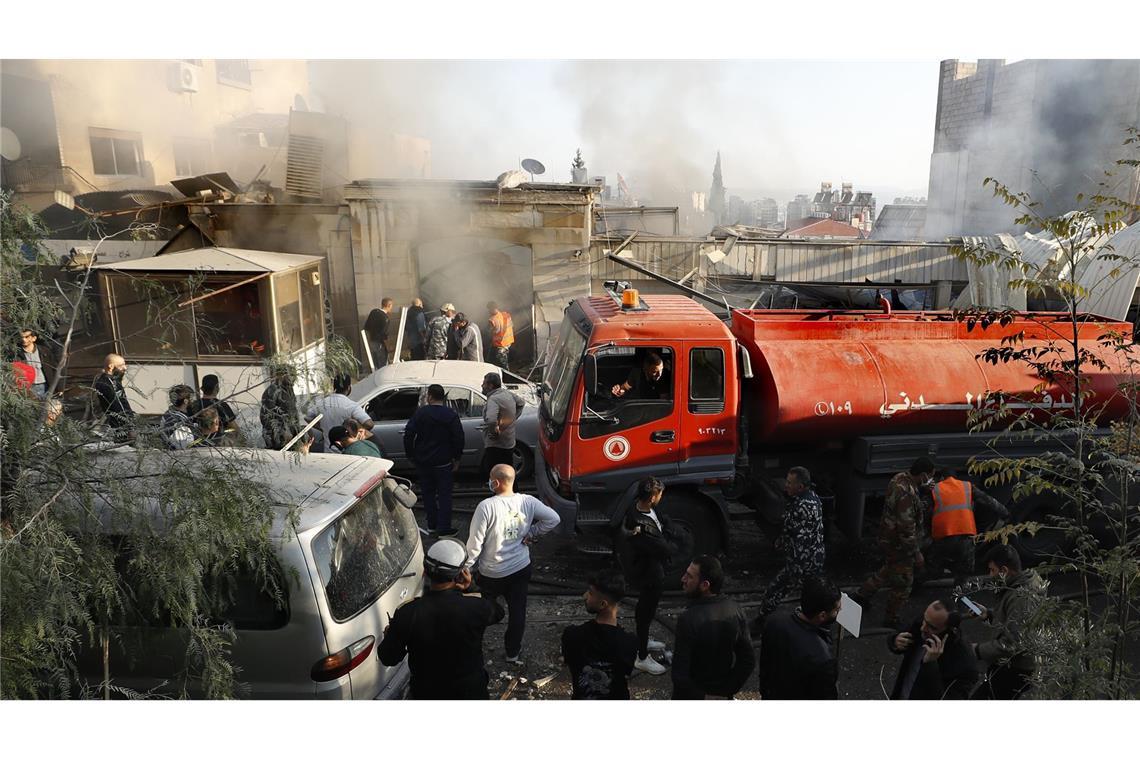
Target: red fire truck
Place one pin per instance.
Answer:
(855, 396)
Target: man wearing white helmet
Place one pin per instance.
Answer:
(442, 631)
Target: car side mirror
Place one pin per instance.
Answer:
(590, 374)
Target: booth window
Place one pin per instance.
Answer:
(288, 298)
(312, 311)
(150, 324)
(231, 323)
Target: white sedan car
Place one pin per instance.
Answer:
(393, 393)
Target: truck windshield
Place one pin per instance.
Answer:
(562, 371)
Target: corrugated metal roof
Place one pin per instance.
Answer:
(989, 285)
(227, 260)
(899, 222)
(1112, 295)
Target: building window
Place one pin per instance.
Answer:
(116, 152)
(234, 72)
(191, 157)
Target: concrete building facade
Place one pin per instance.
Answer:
(1047, 127)
(107, 125)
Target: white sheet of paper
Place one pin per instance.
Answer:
(850, 615)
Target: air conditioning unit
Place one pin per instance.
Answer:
(184, 77)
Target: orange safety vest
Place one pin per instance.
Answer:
(502, 330)
(953, 509)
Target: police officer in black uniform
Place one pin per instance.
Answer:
(442, 631)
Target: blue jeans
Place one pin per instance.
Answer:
(435, 483)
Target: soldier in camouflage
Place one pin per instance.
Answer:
(801, 540)
(899, 539)
(437, 332)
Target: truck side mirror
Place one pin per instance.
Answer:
(590, 374)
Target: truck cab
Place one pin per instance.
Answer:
(639, 386)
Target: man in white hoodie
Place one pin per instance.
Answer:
(502, 530)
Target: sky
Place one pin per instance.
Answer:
(781, 126)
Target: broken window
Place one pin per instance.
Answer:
(235, 72)
(116, 152)
(191, 157)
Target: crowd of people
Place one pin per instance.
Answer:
(450, 334)
(713, 651)
(927, 529)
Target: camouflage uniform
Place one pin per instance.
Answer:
(899, 541)
(437, 337)
(802, 542)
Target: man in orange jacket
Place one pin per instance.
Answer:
(953, 528)
(502, 331)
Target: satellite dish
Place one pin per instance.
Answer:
(533, 166)
(9, 144)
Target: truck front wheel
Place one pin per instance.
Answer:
(699, 517)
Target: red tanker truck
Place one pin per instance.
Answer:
(855, 396)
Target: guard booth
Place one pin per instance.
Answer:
(222, 311)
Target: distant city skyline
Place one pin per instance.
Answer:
(782, 127)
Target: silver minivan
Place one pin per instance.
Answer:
(353, 561)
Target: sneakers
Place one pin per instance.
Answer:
(515, 659)
(650, 666)
(655, 645)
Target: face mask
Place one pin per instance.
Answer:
(491, 486)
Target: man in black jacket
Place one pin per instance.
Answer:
(796, 661)
(433, 441)
(713, 655)
(938, 662)
(650, 545)
(376, 328)
(113, 402)
(442, 631)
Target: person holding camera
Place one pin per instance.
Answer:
(442, 631)
(938, 662)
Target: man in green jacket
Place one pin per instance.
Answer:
(1009, 665)
(352, 438)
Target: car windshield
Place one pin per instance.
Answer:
(562, 371)
(363, 552)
